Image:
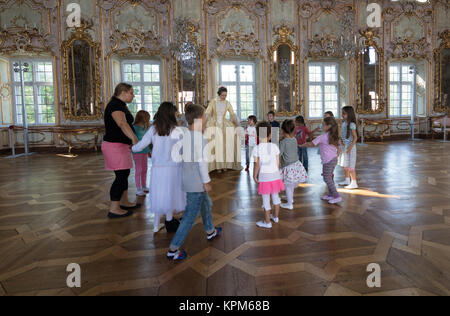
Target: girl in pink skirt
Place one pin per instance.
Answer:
(267, 173)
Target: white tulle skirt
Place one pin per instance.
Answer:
(166, 194)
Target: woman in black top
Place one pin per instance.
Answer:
(116, 148)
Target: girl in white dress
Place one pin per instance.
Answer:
(166, 174)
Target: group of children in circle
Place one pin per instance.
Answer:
(283, 167)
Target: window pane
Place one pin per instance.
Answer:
(247, 101)
(151, 73)
(229, 73)
(394, 100)
(246, 73)
(406, 75)
(152, 99)
(46, 101)
(330, 73)
(315, 101)
(315, 73)
(331, 98)
(232, 96)
(394, 74)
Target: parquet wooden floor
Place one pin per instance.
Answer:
(53, 213)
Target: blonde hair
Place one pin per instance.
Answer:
(143, 117)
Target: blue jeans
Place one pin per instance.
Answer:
(196, 202)
(303, 156)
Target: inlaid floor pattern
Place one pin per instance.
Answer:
(53, 213)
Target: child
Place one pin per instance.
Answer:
(165, 181)
(250, 139)
(349, 136)
(293, 171)
(196, 183)
(329, 152)
(271, 118)
(141, 126)
(267, 173)
(301, 132)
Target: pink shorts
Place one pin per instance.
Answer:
(117, 156)
(272, 187)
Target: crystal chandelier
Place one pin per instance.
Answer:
(184, 48)
(349, 46)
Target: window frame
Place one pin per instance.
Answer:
(400, 85)
(239, 84)
(142, 84)
(36, 85)
(324, 83)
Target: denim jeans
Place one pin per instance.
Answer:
(196, 202)
(303, 156)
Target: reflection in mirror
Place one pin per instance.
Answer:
(284, 68)
(445, 78)
(370, 86)
(81, 77)
(371, 72)
(189, 80)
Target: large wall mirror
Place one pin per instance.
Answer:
(442, 60)
(188, 64)
(81, 77)
(284, 78)
(370, 76)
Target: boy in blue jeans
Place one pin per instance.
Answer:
(196, 183)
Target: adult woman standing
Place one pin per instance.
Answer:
(216, 114)
(116, 148)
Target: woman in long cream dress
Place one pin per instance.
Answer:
(227, 146)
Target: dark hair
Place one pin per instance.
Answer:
(300, 119)
(271, 112)
(142, 117)
(263, 129)
(253, 118)
(165, 119)
(329, 113)
(333, 137)
(222, 90)
(122, 87)
(194, 112)
(288, 126)
(351, 118)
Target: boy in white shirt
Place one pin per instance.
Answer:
(250, 139)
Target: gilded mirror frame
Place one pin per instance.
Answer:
(81, 34)
(369, 36)
(192, 33)
(445, 44)
(283, 39)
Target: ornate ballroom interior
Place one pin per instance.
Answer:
(295, 57)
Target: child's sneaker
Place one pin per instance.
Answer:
(216, 233)
(287, 206)
(178, 255)
(146, 190)
(276, 220)
(336, 200)
(326, 198)
(263, 224)
(345, 183)
(247, 169)
(352, 186)
(140, 192)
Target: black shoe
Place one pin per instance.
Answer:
(131, 208)
(172, 226)
(116, 216)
